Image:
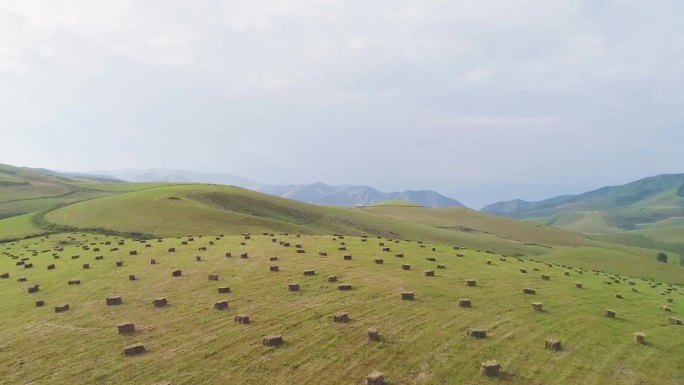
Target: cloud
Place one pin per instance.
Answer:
(391, 93)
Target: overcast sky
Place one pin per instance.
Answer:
(480, 100)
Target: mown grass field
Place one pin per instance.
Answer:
(423, 341)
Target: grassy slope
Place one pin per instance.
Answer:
(181, 209)
(562, 246)
(190, 209)
(25, 192)
(423, 341)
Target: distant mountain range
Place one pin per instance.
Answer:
(315, 193)
(320, 193)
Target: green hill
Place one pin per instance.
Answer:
(647, 213)
(423, 341)
(190, 209)
(25, 192)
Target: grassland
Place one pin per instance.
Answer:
(191, 209)
(423, 341)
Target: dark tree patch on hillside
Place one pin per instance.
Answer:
(8, 183)
(662, 257)
(680, 191)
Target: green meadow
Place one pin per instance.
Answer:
(423, 341)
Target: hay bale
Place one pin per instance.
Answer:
(379, 261)
(609, 313)
(527, 290)
(241, 319)
(344, 287)
(126, 328)
(332, 278)
(160, 302)
(618, 296)
(408, 296)
(61, 308)
(309, 272)
(86, 266)
(74, 282)
(176, 273)
(132, 277)
(272, 341)
(429, 273)
(21, 279)
(502, 259)
(670, 300)
(341, 318)
(635, 290)
(28, 266)
(347, 257)
(171, 250)
(376, 378)
(545, 277)
(322, 254)
(133, 252)
(490, 368)
(274, 268)
(666, 308)
(213, 277)
(640, 338)
(675, 321)
(224, 290)
(471, 282)
(373, 334)
(301, 251)
(244, 255)
(464, 302)
(579, 285)
(537, 306)
(524, 271)
(40, 303)
(134, 350)
(406, 266)
(228, 255)
(99, 257)
(567, 273)
(113, 301)
(198, 258)
(221, 305)
(273, 259)
(293, 287)
(119, 263)
(441, 266)
(489, 261)
(399, 255)
(477, 333)
(33, 289)
(553, 344)
(387, 249)
(153, 261)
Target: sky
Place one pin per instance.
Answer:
(481, 100)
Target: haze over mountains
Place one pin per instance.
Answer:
(315, 193)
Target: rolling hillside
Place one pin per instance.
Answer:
(190, 209)
(646, 213)
(659, 197)
(26, 192)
